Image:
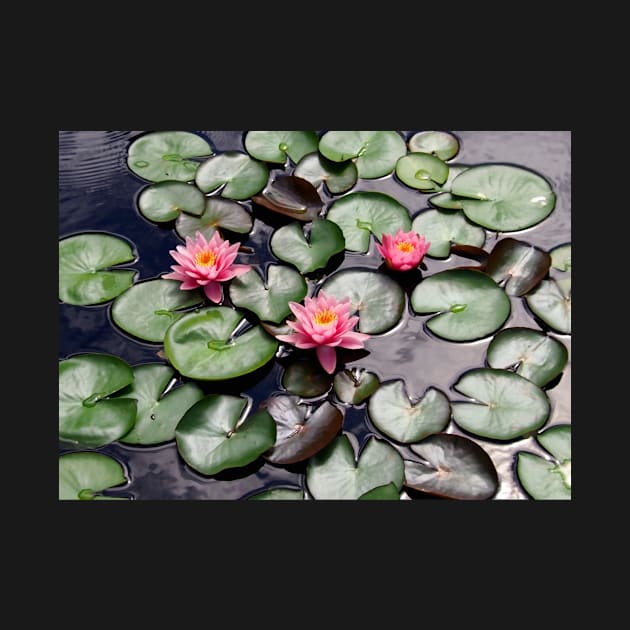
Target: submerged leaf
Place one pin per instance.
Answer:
(454, 467)
(301, 430)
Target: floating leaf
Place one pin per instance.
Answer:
(447, 201)
(158, 413)
(388, 492)
(375, 297)
(165, 201)
(278, 494)
(83, 475)
(502, 197)
(325, 239)
(408, 420)
(219, 213)
(148, 308)
(291, 196)
(421, 171)
(374, 152)
(534, 355)
(470, 304)
(274, 146)
(306, 377)
(443, 227)
(442, 144)
(339, 177)
(240, 175)
(355, 385)
(202, 345)
(541, 478)
(301, 430)
(455, 467)
(561, 257)
(84, 261)
(212, 437)
(507, 406)
(557, 441)
(333, 473)
(86, 413)
(522, 265)
(551, 301)
(269, 298)
(361, 213)
(166, 155)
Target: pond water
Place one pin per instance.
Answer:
(98, 193)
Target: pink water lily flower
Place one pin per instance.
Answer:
(324, 323)
(404, 250)
(205, 264)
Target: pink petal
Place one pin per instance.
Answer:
(353, 340)
(232, 272)
(189, 284)
(213, 291)
(175, 275)
(327, 357)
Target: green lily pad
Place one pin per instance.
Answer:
(278, 494)
(83, 475)
(444, 227)
(301, 430)
(502, 197)
(374, 152)
(148, 308)
(236, 173)
(375, 297)
(421, 171)
(202, 345)
(165, 201)
(275, 146)
(87, 414)
(522, 266)
(333, 473)
(361, 213)
(507, 406)
(355, 385)
(84, 262)
(551, 301)
(470, 304)
(212, 436)
(291, 196)
(561, 257)
(407, 420)
(441, 144)
(454, 467)
(306, 378)
(166, 155)
(545, 479)
(387, 492)
(339, 177)
(447, 201)
(530, 353)
(218, 214)
(557, 441)
(269, 298)
(158, 412)
(325, 239)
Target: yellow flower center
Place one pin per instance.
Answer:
(325, 316)
(405, 246)
(205, 258)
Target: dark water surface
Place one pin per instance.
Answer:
(97, 193)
